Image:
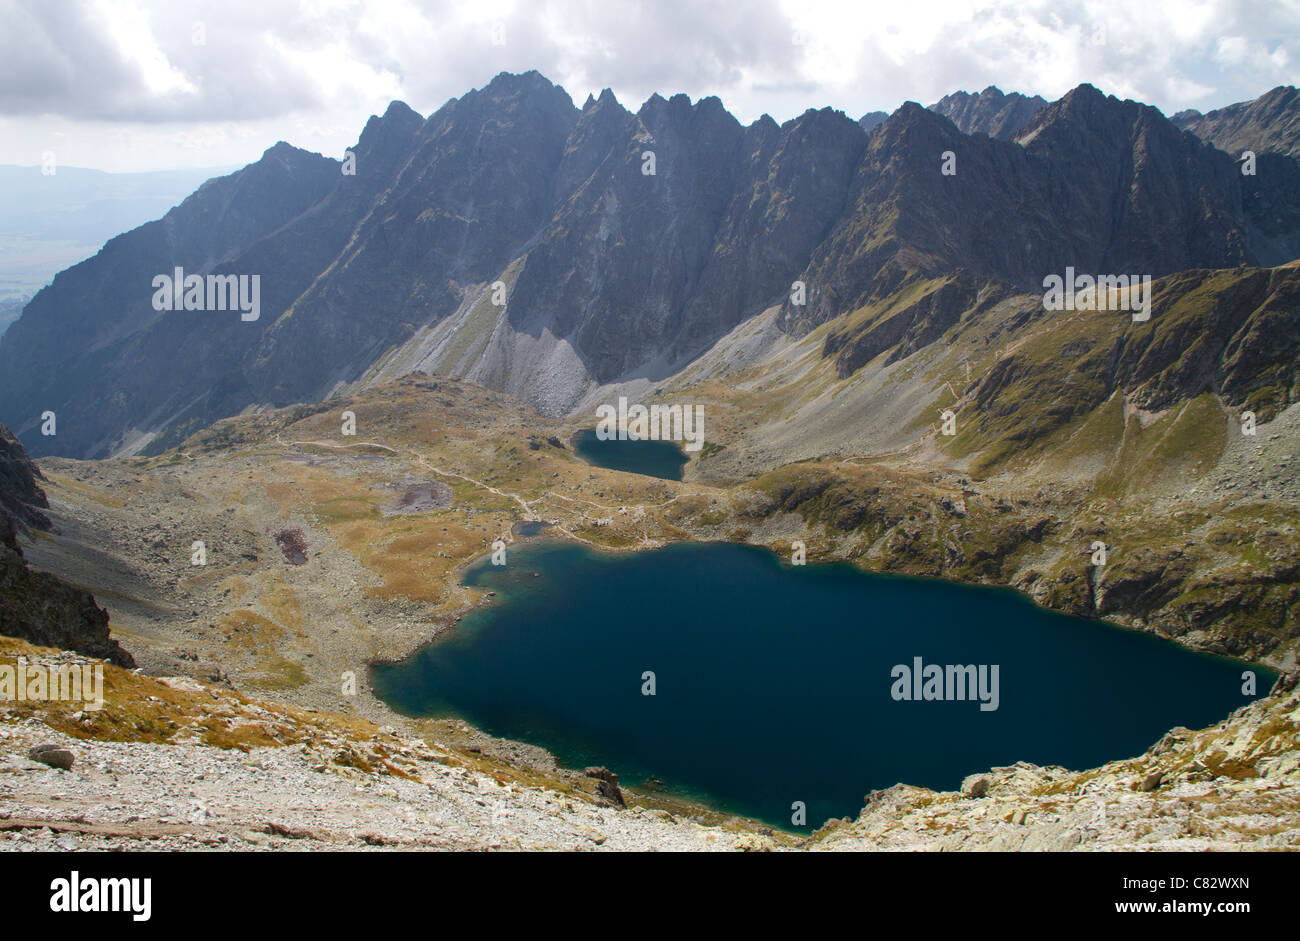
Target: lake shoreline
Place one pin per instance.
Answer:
(559, 536)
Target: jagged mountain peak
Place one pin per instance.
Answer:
(284, 152)
(907, 122)
(1086, 97)
(509, 94)
(391, 130)
(607, 99)
(822, 114)
(707, 116)
(1086, 108)
(989, 112)
(509, 83)
(400, 111)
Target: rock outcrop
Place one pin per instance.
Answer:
(36, 606)
(22, 501)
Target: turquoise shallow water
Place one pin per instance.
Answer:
(773, 682)
(663, 459)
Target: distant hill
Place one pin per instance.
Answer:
(872, 119)
(10, 309)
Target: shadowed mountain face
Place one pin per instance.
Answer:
(1268, 125)
(1092, 183)
(37, 606)
(95, 327)
(21, 498)
(989, 112)
(643, 272)
(624, 244)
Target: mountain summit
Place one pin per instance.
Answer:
(989, 112)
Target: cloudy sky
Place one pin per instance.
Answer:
(151, 84)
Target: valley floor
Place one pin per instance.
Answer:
(248, 754)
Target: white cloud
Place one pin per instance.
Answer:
(273, 69)
(128, 26)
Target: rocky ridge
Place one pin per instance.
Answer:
(1269, 124)
(547, 250)
(989, 112)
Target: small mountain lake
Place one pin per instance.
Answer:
(776, 683)
(663, 459)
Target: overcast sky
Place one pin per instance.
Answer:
(151, 84)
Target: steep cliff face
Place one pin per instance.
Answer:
(470, 192)
(1268, 127)
(615, 267)
(36, 606)
(642, 271)
(21, 499)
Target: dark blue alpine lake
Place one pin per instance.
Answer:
(773, 682)
(664, 459)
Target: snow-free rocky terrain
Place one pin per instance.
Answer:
(494, 272)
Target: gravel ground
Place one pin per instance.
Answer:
(132, 796)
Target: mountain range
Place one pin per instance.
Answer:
(622, 246)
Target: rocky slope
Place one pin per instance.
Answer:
(1234, 786)
(22, 501)
(1270, 124)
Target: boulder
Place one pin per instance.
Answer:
(52, 755)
